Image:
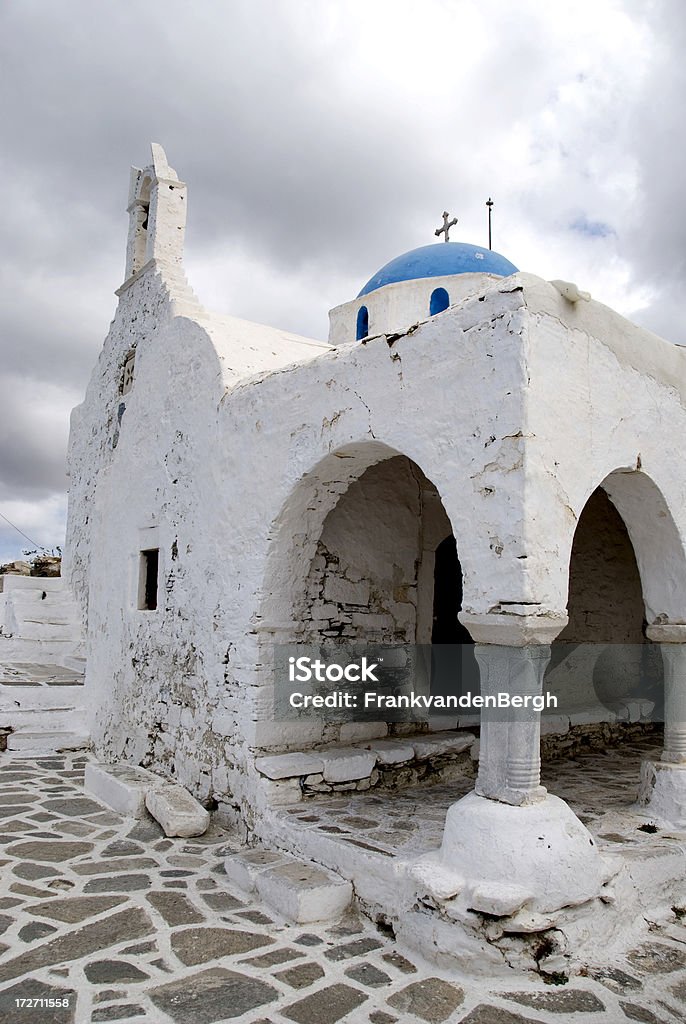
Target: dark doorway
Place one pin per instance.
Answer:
(447, 629)
(453, 666)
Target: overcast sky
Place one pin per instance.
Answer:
(319, 139)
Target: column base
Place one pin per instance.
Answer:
(508, 795)
(541, 849)
(662, 791)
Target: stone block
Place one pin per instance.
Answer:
(662, 790)
(324, 612)
(347, 764)
(46, 742)
(224, 724)
(341, 591)
(498, 899)
(442, 743)
(371, 621)
(635, 710)
(354, 732)
(288, 766)
(282, 792)
(177, 811)
(591, 716)
(244, 867)
(554, 725)
(390, 751)
(442, 723)
(433, 877)
(123, 787)
(303, 893)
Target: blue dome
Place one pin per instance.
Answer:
(440, 260)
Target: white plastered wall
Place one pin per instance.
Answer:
(237, 454)
(606, 406)
(398, 306)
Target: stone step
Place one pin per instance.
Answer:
(46, 742)
(77, 662)
(300, 891)
(20, 649)
(52, 599)
(62, 718)
(179, 813)
(123, 787)
(134, 791)
(46, 630)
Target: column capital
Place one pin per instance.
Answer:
(513, 630)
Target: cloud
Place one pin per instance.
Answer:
(318, 141)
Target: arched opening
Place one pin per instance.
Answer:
(359, 564)
(139, 214)
(603, 671)
(373, 574)
(362, 323)
(439, 301)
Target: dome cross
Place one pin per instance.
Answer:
(447, 225)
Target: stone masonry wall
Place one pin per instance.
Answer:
(363, 580)
(605, 599)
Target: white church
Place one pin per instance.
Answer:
(475, 456)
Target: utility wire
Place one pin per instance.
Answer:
(25, 535)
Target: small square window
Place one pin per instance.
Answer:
(148, 579)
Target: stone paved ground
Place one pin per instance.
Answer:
(129, 926)
(600, 787)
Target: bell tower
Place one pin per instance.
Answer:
(157, 214)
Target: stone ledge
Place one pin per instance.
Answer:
(289, 766)
(123, 787)
(46, 742)
(287, 777)
(135, 791)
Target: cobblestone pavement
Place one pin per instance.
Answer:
(129, 926)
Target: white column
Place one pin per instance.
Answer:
(509, 755)
(674, 662)
(512, 652)
(509, 838)
(663, 783)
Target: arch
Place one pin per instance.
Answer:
(601, 662)
(657, 542)
(352, 558)
(295, 533)
(439, 301)
(139, 214)
(605, 598)
(362, 329)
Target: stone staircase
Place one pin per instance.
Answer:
(42, 667)
(39, 621)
